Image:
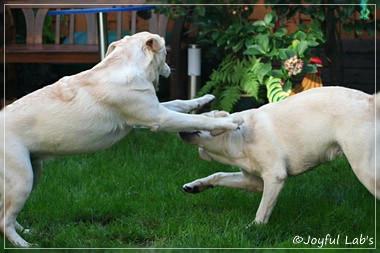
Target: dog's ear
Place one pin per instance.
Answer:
(111, 47)
(155, 43)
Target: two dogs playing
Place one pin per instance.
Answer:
(92, 110)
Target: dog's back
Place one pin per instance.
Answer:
(317, 125)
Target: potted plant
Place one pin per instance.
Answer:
(255, 55)
(235, 79)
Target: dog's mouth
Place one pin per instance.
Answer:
(189, 136)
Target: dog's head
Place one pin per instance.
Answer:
(218, 145)
(142, 52)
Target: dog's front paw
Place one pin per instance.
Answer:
(230, 123)
(206, 99)
(254, 223)
(237, 119)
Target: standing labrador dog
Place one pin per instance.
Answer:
(88, 112)
(288, 138)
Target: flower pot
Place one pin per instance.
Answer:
(246, 102)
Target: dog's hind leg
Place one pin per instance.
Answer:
(37, 169)
(21, 229)
(360, 153)
(18, 177)
(364, 168)
(273, 183)
(237, 180)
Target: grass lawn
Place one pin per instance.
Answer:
(130, 196)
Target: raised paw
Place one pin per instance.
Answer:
(204, 100)
(228, 123)
(207, 99)
(233, 121)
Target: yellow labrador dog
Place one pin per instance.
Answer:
(288, 138)
(88, 112)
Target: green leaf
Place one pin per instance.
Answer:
(215, 35)
(235, 28)
(301, 47)
(287, 86)
(207, 88)
(263, 70)
(259, 23)
(238, 46)
(268, 18)
(272, 53)
(309, 68)
(222, 40)
(302, 27)
(254, 50)
(312, 43)
(229, 97)
(312, 40)
(319, 14)
(286, 53)
(282, 55)
(277, 73)
(295, 44)
(262, 29)
(249, 42)
(315, 25)
(201, 10)
(299, 35)
(263, 41)
(251, 86)
(280, 32)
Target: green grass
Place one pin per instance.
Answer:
(130, 196)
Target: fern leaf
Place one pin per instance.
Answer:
(229, 98)
(263, 70)
(207, 88)
(251, 86)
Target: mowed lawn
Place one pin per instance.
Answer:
(130, 196)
